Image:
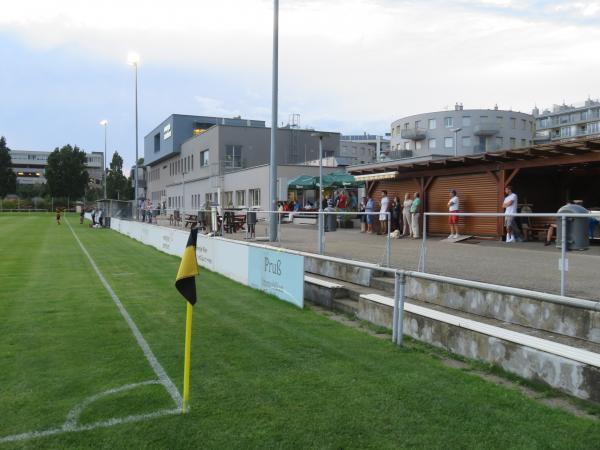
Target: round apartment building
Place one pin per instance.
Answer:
(461, 132)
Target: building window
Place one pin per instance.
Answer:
(448, 142)
(466, 141)
(523, 124)
(418, 145)
(407, 146)
(233, 156)
(592, 127)
(228, 199)
(254, 195)
(208, 198)
(466, 121)
(565, 132)
(431, 143)
(432, 124)
(513, 123)
(417, 124)
(204, 158)
(499, 142)
(406, 125)
(513, 142)
(523, 142)
(240, 198)
(192, 161)
(448, 122)
(157, 143)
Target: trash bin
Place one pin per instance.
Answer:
(330, 220)
(577, 228)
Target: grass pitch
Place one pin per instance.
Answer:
(264, 374)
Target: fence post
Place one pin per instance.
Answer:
(398, 320)
(388, 243)
(321, 216)
(423, 258)
(563, 255)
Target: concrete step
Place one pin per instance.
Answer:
(566, 363)
(385, 284)
(346, 306)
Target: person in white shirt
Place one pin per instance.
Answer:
(453, 207)
(383, 217)
(510, 207)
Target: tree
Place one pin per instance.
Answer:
(66, 172)
(116, 182)
(8, 179)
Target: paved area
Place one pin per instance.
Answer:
(528, 265)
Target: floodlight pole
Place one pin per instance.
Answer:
(135, 195)
(273, 161)
(321, 217)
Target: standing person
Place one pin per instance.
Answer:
(81, 214)
(100, 218)
(396, 214)
(93, 216)
(370, 208)
(58, 216)
(384, 208)
(406, 229)
(353, 202)
(453, 206)
(415, 212)
(510, 207)
(363, 218)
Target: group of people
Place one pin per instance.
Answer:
(404, 215)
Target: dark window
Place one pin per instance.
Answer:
(157, 143)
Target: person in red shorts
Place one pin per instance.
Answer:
(453, 207)
(58, 216)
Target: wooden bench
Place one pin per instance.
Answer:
(191, 219)
(538, 225)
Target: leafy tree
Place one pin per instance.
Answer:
(8, 179)
(66, 172)
(32, 190)
(116, 183)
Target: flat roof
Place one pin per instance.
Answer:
(575, 150)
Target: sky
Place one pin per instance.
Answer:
(344, 65)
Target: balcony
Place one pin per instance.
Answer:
(486, 129)
(413, 134)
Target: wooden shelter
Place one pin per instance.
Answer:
(544, 176)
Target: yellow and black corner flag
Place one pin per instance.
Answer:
(188, 269)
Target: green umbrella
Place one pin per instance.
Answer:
(341, 180)
(303, 182)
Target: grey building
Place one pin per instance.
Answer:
(203, 164)
(364, 148)
(464, 131)
(30, 166)
(166, 139)
(567, 121)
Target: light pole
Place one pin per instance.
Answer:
(134, 60)
(456, 130)
(274, 219)
(321, 217)
(104, 123)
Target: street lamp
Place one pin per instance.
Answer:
(104, 123)
(133, 59)
(321, 218)
(456, 130)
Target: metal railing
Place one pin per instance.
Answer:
(563, 262)
(400, 277)
(218, 225)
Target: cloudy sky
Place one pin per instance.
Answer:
(345, 65)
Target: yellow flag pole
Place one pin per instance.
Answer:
(186, 364)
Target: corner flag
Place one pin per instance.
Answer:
(185, 281)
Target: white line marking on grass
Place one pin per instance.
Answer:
(71, 425)
(156, 366)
